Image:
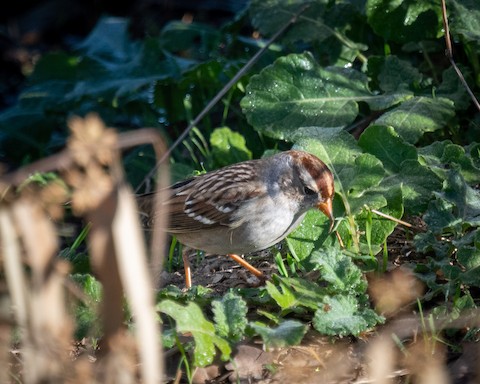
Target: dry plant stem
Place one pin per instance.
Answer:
(104, 263)
(48, 332)
(449, 54)
(63, 160)
(14, 274)
(222, 93)
(39, 301)
(393, 219)
(135, 277)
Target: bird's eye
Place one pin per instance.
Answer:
(309, 191)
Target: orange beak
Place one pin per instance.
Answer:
(327, 209)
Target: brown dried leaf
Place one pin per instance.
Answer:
(91, 141)
(90, 189)
(394, 290)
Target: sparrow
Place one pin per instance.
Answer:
(245, 207)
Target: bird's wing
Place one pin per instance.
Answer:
(212, 199)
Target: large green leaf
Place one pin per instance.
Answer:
(404, 170)
(418, 115)
(296, 92)
(393, 73)
(311, 234)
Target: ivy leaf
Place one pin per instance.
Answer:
(230, 316)
(190, 319)
(288, 333)
(296, 92)
(343, 315)
(417, 116)
(228, 147)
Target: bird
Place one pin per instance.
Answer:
(245, 207)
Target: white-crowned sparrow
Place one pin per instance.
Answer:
(248, 206)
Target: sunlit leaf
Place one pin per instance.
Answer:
(190, 319)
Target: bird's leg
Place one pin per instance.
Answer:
(247, 265)
(186, 265)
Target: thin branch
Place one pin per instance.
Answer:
(449, 54)
(393, 219)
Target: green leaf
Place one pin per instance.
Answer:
(387, 146)
(288, 333)
(228, 147)
(406, 20)
(417, 116)
(177, 36)
(298, 292)
(441, 155)
(86, 312)
(190, 319)
(464, 19)
(343, 315)
(230, 316)
(396, 74)
(284, 297)
(469, 250)
(109, 40)
(268, 16)
(296, 92)
(439, 216)
(309, 235)
(417, 182)
(339, 270)
(465, 199)
(400, 161)
(452, 88)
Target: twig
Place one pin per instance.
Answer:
(394, 219)
(449, 54)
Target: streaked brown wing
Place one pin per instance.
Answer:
(211, 199)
